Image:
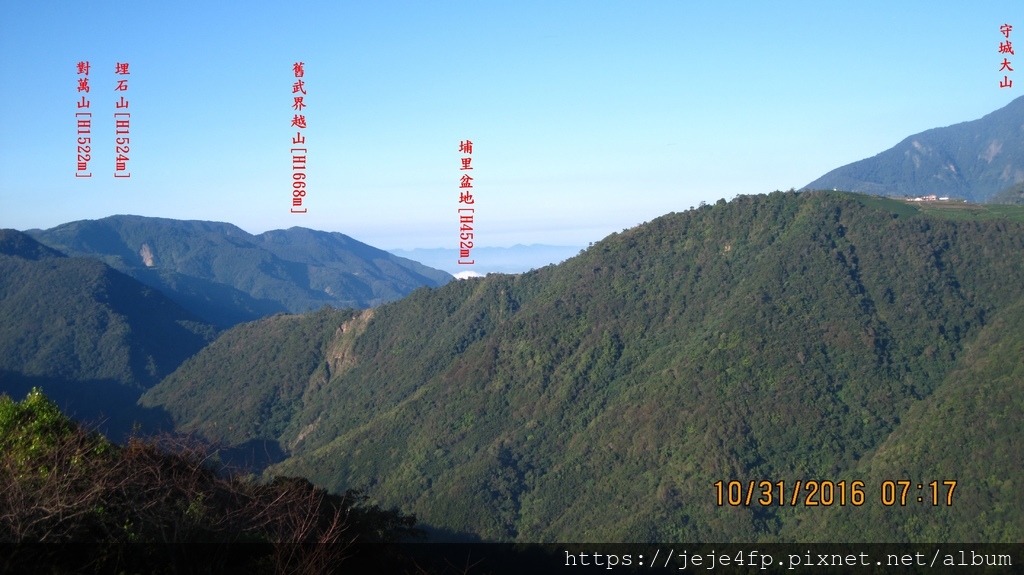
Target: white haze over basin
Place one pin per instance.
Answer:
(467, 274)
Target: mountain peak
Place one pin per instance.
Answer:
(18, 244)
(971, 160)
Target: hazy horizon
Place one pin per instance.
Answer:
(586, 118)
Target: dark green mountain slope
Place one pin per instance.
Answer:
(971, 430)
(16, 244)
(1011, 195)
(81, 329)
(291, 353)
(226, 275)
(971, 160)
(784, 337)
(76, 318)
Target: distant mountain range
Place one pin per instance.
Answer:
(793, 337)
(226, 275)
(513, 260)
(973, 160)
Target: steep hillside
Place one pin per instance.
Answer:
(971, 431)
(1013, 195)
(788, 337)
(227, 276)
(264, 367)
(972, 160)
(92, 337)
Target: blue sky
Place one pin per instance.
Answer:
(587, 117)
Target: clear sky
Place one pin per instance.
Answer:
(587, 116)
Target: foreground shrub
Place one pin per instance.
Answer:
(72, 500)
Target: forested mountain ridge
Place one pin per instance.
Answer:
(79, 319)
(784, 337)
(226, 275)
(89, 334)
(971, 160)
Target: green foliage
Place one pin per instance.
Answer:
(32, 428)
(134, 505)
(783, 337)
